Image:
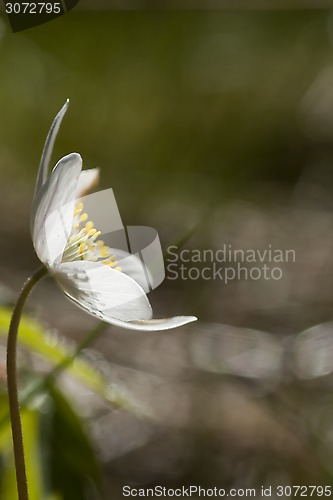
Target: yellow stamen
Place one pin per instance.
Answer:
(78, 209)
(104, 252)
(83, 244)
(83, 217)
(109, 263)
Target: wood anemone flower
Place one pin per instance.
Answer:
(67, 243)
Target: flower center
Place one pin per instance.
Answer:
(83, 242)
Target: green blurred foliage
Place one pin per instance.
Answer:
(54, 348)
(30, 425)
(74, 469)
(60, 460)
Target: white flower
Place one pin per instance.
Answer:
(67, 243)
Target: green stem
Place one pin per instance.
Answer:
(15, 418)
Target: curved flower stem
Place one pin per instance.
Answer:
(15, 418)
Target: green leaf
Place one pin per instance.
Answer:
(74, 468)
(53, 348)
(60, 459)
(31, 437)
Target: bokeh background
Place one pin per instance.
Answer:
(215, 126)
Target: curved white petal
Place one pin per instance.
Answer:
(144, 241)
(103, 211)
(48, 147)
(133, 266)
(52, 213)
(88, 179)
(103, 292)
(155, 325)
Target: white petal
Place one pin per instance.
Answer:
(88, 179)
(144, 241)
(105, 293)
(155, 325)
(52, 212)
(48, 147)
(103, 211)
(132, 265)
